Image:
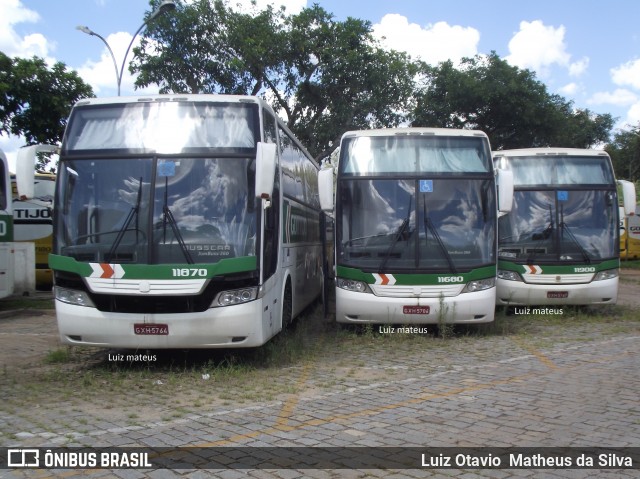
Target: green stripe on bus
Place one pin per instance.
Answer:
(161, 271)
(409, 279)
(574, 268)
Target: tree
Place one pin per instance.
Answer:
(325, 76)
(507, 103)
(35, 101)
(625, 153)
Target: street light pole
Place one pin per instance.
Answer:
(164, 7)
(88, 31)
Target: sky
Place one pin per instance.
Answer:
(587, 51)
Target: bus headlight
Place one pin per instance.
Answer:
(508, 275)
(236, 296)
(479, 285)
(607, 274)
(73, 296)
(352, 285)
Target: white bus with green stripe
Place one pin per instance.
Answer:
(182, 221)
(559, 245)
(6, 230)
(415, 226)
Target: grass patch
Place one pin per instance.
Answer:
(58, 356)
(631, 264)
(12, 303)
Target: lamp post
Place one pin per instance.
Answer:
(164, 7)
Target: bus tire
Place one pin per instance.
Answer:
(287, 306)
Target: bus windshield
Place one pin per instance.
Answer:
(416, 224)
(564, 209)
(154, 210)
(560, 225)
(158, 182)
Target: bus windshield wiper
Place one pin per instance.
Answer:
(565, 227)
(167, 216)
(428, 226)
(399, 233)
(133, 212)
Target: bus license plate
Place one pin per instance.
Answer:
(151, 329)
(557, 294)
(416, 309)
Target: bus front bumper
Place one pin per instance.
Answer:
(232, 326)
(360, 308)
(515, 293)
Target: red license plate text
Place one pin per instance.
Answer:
(151, 329)
(416, 309)
(557, 294)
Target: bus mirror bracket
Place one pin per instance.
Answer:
(325, 188)
(26, 168)
(505, 190)
(628, 197)
(265, 169)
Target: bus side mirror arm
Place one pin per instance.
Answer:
(505, 190)
(26, 168)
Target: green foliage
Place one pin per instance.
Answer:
(35, 100)
(625, 153)
(507, 103)
(325, 76)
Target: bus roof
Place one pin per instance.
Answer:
(414, 131)
(542, 152)
(170, 97)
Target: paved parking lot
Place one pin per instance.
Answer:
(546, 386)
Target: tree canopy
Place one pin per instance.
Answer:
(507, 103)
(625, 153)
(35, 100)
(322, 75)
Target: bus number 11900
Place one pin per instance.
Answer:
(189, 272)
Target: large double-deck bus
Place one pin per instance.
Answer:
(415, 226)
(182, 221)
(32, 222)
(560, 242)
(6, 230)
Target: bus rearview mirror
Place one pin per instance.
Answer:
(505, 190)
(325, 189)
(265, 169)
(26, 168)
(628, 197)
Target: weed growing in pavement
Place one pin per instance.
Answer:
(57, 356)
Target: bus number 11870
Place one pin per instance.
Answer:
(189, 272)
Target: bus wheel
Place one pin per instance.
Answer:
(287, 306)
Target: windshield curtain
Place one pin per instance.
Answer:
(162, 127)
(152, 211)
(377, 155)
(559, 170)
(416, 224)
(560, 225)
